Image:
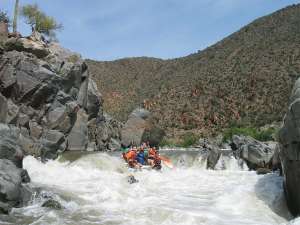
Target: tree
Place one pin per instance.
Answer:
(39, 21)
(16, 16)
(4, 18)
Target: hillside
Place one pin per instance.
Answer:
(247, 78)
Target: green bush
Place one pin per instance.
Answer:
(4, 17)
(189, 139)
(73, 58)
(165, 142)
(266, 135)
(261, 135)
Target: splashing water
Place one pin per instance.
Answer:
(94, 190)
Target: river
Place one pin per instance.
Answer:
(93, 189)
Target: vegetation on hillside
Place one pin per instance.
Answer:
(248, 76)
(187, 140)
(261, 135)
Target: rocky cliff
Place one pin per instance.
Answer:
(247, 77)
(48, 104)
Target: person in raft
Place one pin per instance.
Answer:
(143, 155)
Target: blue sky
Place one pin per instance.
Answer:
(112, 29)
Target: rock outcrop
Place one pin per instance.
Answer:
(139, 128)
(255, 153)
(48, 104)
(46, 90)
(289, 139)
(36, 47)
(13, 191)
(211, 152)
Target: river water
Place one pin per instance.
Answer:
(93, 189)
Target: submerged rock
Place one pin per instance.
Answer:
(210, 151)
(53, 204)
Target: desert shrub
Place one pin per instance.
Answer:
(261, 135)
(166, 142)
(73, 58)
(4, 17)
(189, 139)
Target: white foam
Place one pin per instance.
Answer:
(96, 191)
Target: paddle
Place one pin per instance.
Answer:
(167, 161)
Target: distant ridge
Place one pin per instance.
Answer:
(246, 77)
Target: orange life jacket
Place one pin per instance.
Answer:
(151, 152)
(130, 155)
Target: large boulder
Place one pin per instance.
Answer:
(289, 139)
(139, 128)
(3, 108)
(51, 98)
(94, 101)
(209, 151)
(78, 137)
(38, 48)
(8, 110)
(255, 153)
(61, 59)
(7, 75)
(12, 192)
(104, 133)
(26, 79)
(52, 141)
(9, 147)
(12, 112)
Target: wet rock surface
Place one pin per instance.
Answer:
(53, 204)
(13, 193)
(289, 139)
(256, 154)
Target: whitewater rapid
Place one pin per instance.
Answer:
(94, 190)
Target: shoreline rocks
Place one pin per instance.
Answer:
(289, 139)
(255, 153)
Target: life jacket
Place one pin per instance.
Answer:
(151, 153)
(140, 158)
(124, 151)
(130, 155)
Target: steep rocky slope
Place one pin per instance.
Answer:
(48, 104)
(246, 77)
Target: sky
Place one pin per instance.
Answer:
(112, 29)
